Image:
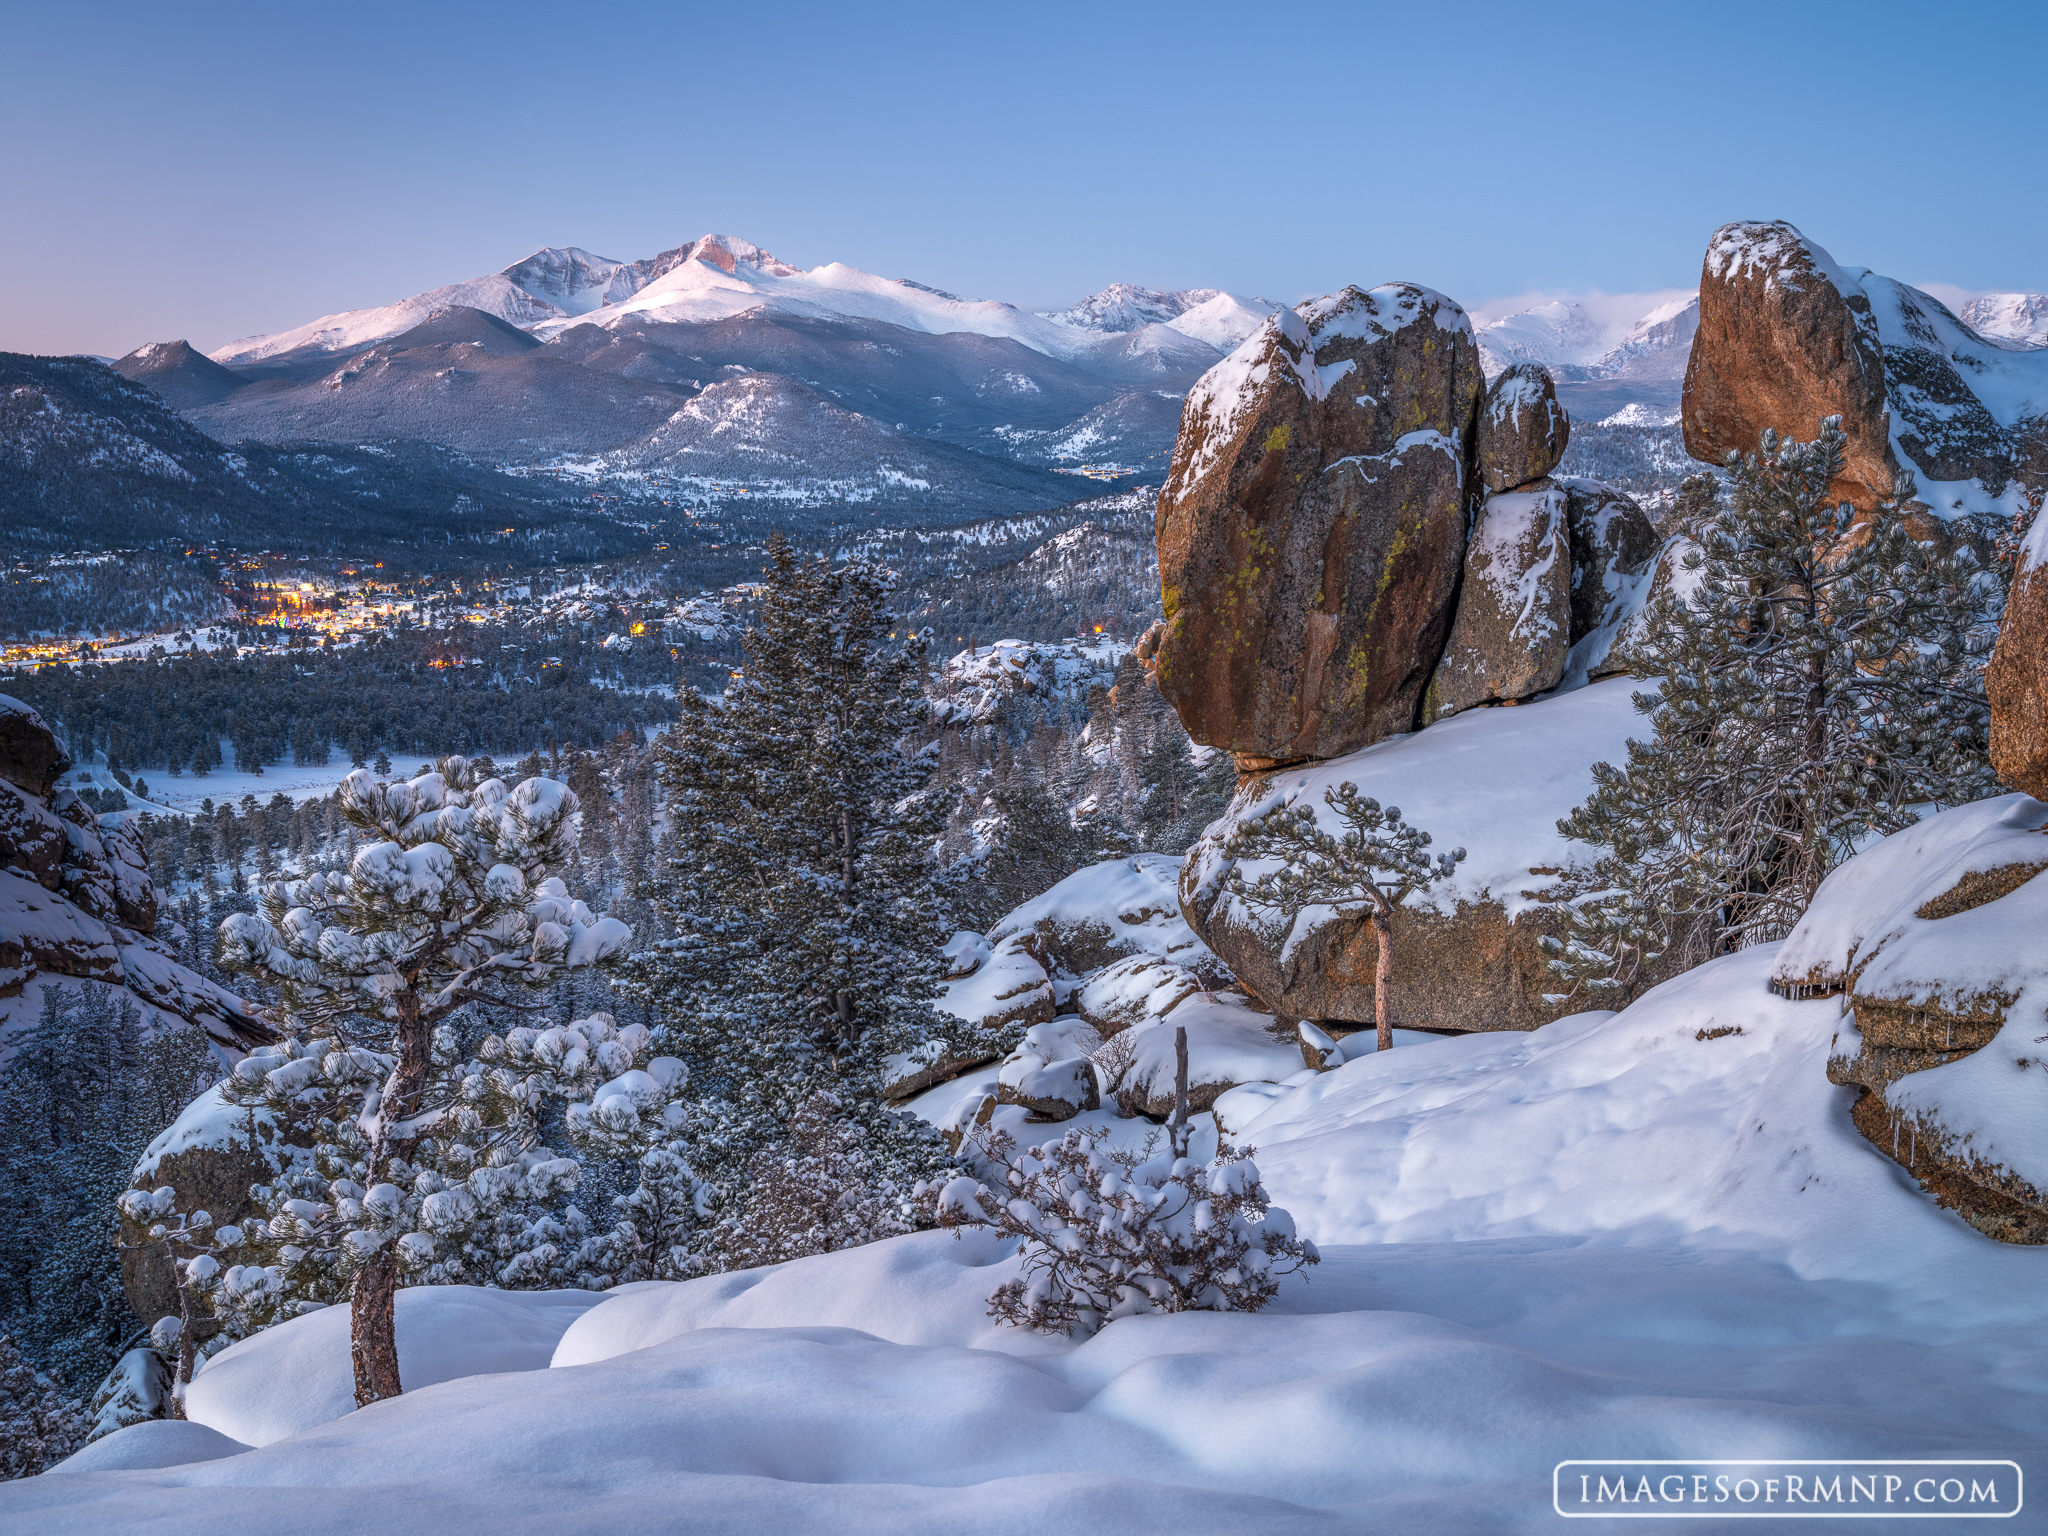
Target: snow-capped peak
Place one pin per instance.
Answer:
(1126, 307)
(2012, 320)
(1557, 332)
(716, 277)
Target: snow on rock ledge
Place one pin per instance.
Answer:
(1934, 934)
(1492, 781)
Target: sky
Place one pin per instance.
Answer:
(212, 171)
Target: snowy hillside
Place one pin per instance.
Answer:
(1651, 1234)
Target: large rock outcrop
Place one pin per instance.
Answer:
(76, 899)
(1612, 544)
(1514, 610)
(1523, 431)
(1787, 336)
(2017, 681)
(1467, 954)
(1311, 530)
(1932, 938)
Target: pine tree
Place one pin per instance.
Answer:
(1367, 870)
(1824, 676)
(452, 905)
(39, 1426)
(807, 913)
(817, 1192)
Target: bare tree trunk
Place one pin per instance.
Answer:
(373, 1333)
(1383, 979)
(373, 1336)
(1177, 1127)
(188, 1347)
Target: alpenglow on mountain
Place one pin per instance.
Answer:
(716, 369)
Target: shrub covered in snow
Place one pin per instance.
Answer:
(1108, 1235)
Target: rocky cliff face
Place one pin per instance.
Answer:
(1788, 336)
(75, 894)
(2017, 681)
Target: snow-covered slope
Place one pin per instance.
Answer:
(1637, 1235)
(1557, 332)
(550, 284)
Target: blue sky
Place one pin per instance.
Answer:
(211, 171)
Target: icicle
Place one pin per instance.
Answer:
(1895, 1139)
(1913, 1144)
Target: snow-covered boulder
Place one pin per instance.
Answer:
(1051, 1073)
(1614, 546)
(211, 1154)
(1522, 430)
(1230, 1042)
(1934, 936)
(1514, 608)
(1466, 955)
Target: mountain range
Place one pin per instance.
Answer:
(715, 370)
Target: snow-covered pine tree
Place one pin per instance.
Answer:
(454, 904)
(1367, 870)
(39, 1425)
(1825, 675)
(816, 1192)
(796, 874)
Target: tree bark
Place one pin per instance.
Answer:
(1177, 1128)
(373, 1335)
(373, 1338)
(1383, 979)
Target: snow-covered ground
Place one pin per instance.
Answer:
(1613, 1237)
(227, 786)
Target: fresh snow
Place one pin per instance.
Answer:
(1491, 781)
(290, 1379)
(1606, 1238)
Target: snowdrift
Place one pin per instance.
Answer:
(1645, 1234)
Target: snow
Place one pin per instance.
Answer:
(2009, 319)
(1223, 321)
(1491, 781)
(291, 1378)
(717, 277)
(1605, 1238)
(1229, 1041)
(209, 1121)
(1380, 312)
(1864, 928)
(152, 1444)
(1520, 539)
(1278, 352)
(1637, 414)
